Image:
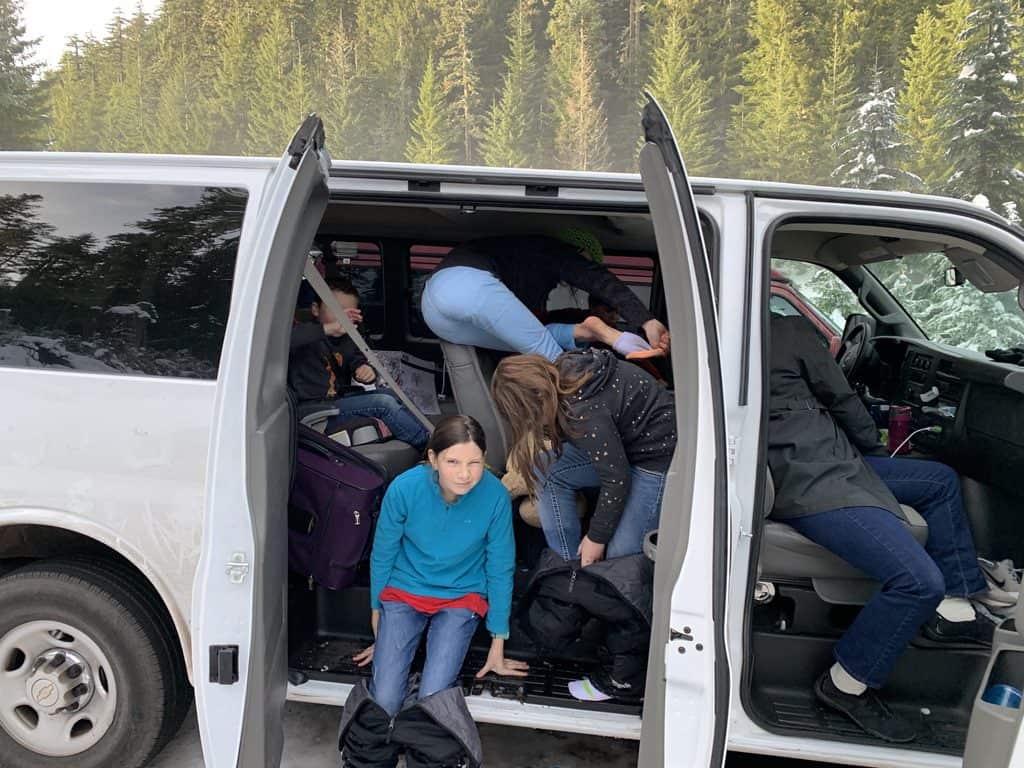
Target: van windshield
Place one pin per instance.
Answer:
(961, 316)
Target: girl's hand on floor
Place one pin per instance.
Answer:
(364, 657)
(504, 667)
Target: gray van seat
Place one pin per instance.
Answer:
(392, 456)
(786, 554)
(470, 369)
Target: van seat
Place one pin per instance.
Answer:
(786, 554)
(471, 369)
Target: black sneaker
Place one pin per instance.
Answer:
(867, 710)
(940, 630)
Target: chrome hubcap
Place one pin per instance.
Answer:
(57, 688)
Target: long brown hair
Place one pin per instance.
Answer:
(532, 396)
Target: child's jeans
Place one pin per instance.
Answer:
(465, 305)
(556, 505)
(398, 636)
(388, 408)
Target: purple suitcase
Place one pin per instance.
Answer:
(334, 499)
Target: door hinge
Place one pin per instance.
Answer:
(224, 664)
(732, 449)
(238, 568)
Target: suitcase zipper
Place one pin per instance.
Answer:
(355, 514)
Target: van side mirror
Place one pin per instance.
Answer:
(954, 277)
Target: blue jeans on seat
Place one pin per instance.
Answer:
(465, 305)
(914, 578)
(386, 406)
(398, 636)
(556, 504)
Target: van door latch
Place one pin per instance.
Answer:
(238, 568)
(224, 664)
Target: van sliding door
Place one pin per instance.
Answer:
(686, 706)
(239, 616)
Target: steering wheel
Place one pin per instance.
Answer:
(855, 344)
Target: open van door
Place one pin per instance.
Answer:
(686, 705)
(239, 621)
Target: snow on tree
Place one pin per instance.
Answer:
(874, 148)
(985, 112)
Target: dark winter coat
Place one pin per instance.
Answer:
(626, 419)
(531, 267)
(562, 597)
(320, 367)
(436, 732)
(817, 429)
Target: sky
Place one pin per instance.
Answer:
(54, 21)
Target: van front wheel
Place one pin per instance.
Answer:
(83, 681)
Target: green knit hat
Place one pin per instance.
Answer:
(584, 240)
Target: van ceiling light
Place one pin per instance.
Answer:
(468, 209)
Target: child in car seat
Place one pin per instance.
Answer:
(611, 427)
(443, 557)
(324, 360)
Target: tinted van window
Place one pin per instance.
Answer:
(116, 278)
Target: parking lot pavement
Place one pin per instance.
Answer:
(311, 732)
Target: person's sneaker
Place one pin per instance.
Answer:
(1003, 581)
(867, 710)
(940, 630)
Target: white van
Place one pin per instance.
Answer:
(145, 309)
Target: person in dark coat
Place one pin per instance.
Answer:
(611, 426)
(491, 292)
(835, 485)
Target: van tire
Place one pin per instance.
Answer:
(106, 603)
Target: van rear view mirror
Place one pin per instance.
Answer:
(954, 278)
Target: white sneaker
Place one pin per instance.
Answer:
(1004, 583)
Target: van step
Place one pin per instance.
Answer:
(330, 658)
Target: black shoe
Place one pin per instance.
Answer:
(867, 710)
(940, 630)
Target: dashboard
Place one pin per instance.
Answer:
(978, 402)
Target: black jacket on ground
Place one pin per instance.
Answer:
(436, 732)
(320, 367)
(562, 597)
(626, 419)
(531, 267)
(816, 424)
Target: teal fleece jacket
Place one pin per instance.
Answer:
(430, 548)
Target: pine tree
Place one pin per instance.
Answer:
(579, 124)
(233, 80)
(281, 97)
(69, 132)
(129, 101)
(773, 125)
(873, 150)
(460, 79)
(431, 140)
(929, 69)
(180, 125)
(339, 76)
(21, 100)
(984, 117)
(683, 94)
(838, 81)
(511, 133)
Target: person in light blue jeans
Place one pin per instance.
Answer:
(491, 293)
(610, 425)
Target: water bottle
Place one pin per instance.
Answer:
(899, 428)
(1002, 695)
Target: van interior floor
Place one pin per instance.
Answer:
(326, 628)
(933, 685)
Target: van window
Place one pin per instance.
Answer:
(822, 288)
(360, 263)
(116, 278)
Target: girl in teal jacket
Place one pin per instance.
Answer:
(443, 556)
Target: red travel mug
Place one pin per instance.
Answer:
(899, 428)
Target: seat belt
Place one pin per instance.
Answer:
(326, 295)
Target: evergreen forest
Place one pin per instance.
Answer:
(886, 94)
